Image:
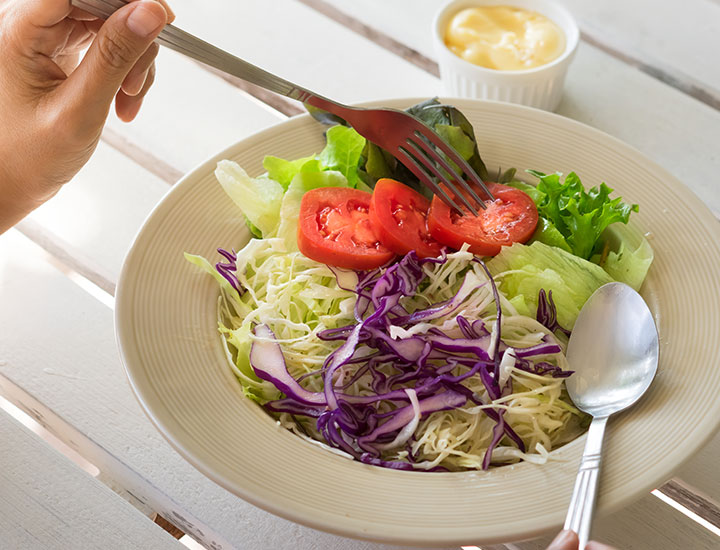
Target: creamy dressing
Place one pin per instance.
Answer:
(504, 38)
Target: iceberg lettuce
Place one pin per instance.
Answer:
(522, 270)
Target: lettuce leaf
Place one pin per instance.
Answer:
(438, 116)
(258, 198)
(547, 233)
(579, 216)
(627, 255)
(536, 195)
(343, 152)
(522, 270)
(283, 171)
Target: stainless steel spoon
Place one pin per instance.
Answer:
(614, 353)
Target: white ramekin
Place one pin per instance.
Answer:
(540, 87)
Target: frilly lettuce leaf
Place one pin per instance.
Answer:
(342, 153)
(579, 216)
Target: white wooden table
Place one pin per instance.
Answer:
(646, 72)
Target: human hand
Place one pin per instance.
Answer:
(53, 106)
(568, 540)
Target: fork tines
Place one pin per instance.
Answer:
(432, 168)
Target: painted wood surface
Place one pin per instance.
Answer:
(48, 503)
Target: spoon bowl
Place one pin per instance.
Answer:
(613, 350)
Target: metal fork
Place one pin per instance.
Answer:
(407, 138)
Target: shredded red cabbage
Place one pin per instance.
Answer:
(423, 362)
(547, 312)
(228, 269)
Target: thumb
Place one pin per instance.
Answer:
(119, 44)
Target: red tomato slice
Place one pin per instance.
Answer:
(399, 217)
(510, 218)
(334, 228)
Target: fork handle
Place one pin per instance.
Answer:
(191, 46)
(582, 503)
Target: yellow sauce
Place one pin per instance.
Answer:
(504, 38)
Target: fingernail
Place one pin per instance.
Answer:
(559, 542)
(147, 18)
(170, 12)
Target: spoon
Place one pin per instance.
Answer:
(614, 353)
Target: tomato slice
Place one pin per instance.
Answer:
(510, 218)
(399, 217)
(334, 228)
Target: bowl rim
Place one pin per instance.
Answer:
(569, 26)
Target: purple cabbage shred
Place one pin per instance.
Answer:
(228, 269)
(547, 313)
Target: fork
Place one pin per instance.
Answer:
(433, 161)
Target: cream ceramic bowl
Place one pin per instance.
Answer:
(167, 332)
(540, 87)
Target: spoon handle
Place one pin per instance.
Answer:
(582, 504)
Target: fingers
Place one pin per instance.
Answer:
(81, 15)
(135, 80)
(565, 540)
(592, 545)
(120, 44)
(44, 13)
(168, 10)
(127, 106)
(83, 34)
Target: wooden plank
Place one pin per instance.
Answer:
(59, 363)
(674, 47)
(701, 475)
(95, 217)
(191, 114)
(290, 40)
(648, 524)
(48, 503)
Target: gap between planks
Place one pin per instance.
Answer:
(676, 490)
(147, 160)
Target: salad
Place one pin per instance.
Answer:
(369, 318)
